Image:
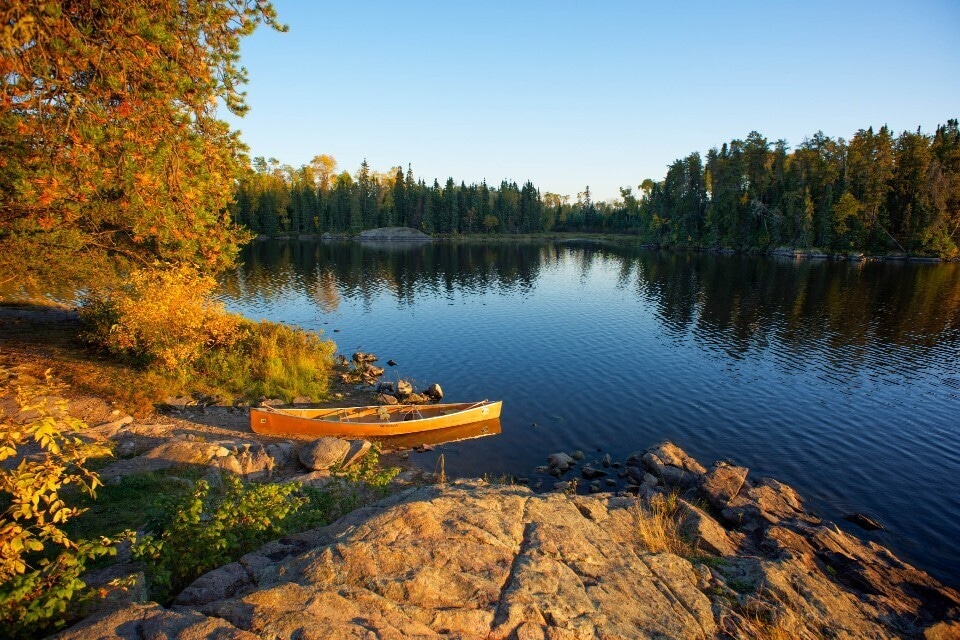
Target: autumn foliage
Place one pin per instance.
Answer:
(163, 316)
(40, 566)
(165, 319)
(111, 152)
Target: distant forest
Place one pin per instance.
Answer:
(876, 192)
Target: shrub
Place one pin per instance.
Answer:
(166, 320)
(209, 527)
(40, 566)
(162, 315)
(369, 471)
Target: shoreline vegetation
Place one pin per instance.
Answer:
(570, 237)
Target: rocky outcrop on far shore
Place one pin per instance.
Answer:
(473, 560)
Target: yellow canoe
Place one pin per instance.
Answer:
(370, 422)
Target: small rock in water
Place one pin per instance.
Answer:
(863, 521)
(559, 462)
(610, 482)
(595, 487)
(607, 461)
(590, 473)
(386, 398)
(392, 363)
(577, 455)
(434, 391)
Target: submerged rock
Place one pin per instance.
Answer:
(590, 473)
(559, 463)
(863, 521)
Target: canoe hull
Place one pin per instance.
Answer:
(370, 422)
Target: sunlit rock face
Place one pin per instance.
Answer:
(474, 560)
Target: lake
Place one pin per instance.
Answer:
(841, 379)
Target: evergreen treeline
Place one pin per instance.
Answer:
(876, 192)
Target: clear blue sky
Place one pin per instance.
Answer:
(568, 94)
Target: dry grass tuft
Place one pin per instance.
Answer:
(659, 521)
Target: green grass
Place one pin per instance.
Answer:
(130, 503)
(272, 360)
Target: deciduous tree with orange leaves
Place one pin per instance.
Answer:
(111, 152)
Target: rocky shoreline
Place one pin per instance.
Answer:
(473, 560)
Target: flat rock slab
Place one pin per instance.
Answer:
(473, 561)
(465, 560)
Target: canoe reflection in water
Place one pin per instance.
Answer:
(440, 436)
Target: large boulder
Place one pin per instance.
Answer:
(705, 533)
(252, 462)
(358, 450)
(323, 453)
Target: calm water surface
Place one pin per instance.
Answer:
(840, 379)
